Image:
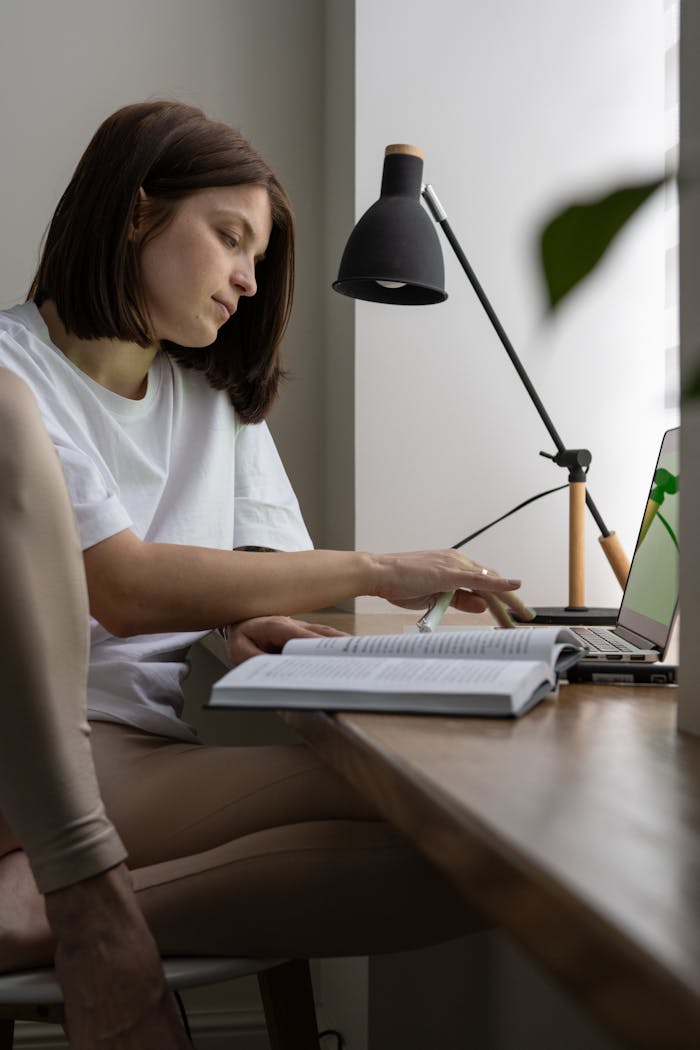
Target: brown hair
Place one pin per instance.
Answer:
(90, 266)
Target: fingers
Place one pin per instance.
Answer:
(254, 637)
(506, 607)
(522, 612)
(286, 628)
(469, 601)
(499, 610)
(494, 592)
(414, 604)
(503, 600)
(407, 577)
(325, 630)
(269, 634)
(242, 648)
(508, 598)
(487, 580)
(499, 605)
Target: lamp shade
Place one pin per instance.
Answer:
(393, 255)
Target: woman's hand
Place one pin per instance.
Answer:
(268, 634)
(108, 966)
(416, 581)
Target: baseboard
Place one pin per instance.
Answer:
(232, 1030)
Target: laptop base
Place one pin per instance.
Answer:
(584, 617)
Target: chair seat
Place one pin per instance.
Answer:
(41, 987)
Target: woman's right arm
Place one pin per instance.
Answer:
(145, 588)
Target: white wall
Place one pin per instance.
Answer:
(257, 64)
(518, 108)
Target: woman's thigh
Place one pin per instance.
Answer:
(264, 851)
(320, 888)
(170, 799)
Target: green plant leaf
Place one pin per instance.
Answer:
(573, 242)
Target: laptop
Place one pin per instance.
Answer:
(649, 605)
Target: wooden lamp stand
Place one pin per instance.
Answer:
(577, 461)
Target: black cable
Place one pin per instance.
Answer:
(185, 1024)
(183, 1015)
(340, 1042)
(520, 506)
(510, 350)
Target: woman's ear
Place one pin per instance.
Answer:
(138, 214)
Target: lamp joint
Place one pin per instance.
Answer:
(576, 460)
(435, 207)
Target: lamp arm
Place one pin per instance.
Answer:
(440, 216)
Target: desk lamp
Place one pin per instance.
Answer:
(393, 255)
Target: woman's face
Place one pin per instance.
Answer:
(197, 268)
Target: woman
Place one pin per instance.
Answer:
(150, 340)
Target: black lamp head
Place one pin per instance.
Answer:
(393, 255)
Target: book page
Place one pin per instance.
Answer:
(390, 674)
(518, 643)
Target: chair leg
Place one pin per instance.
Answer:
(288, 1002)
(7, 1034)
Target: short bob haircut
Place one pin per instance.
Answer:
(90, 267)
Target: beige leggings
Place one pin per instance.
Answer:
(259, 851)
(264, 851)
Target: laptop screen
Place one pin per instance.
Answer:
(651, 595)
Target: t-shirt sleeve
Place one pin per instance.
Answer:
(99, 512)
(266, 510)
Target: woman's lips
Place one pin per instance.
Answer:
(225, 310)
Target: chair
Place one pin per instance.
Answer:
(285, 987)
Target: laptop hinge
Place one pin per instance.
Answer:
(636, 639)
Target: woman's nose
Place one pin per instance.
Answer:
(243, 278)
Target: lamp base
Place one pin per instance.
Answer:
(575, 617)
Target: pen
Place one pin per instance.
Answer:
(430, 620)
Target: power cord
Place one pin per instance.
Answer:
(340, 1042)
(183, 1015)
(520, 506)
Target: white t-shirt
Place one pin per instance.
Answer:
(176, 466)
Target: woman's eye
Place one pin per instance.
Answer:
(229, 240)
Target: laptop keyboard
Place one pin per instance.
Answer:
(603, 641)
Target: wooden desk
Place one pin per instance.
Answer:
(576, 829)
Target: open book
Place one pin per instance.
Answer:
(487, 672)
